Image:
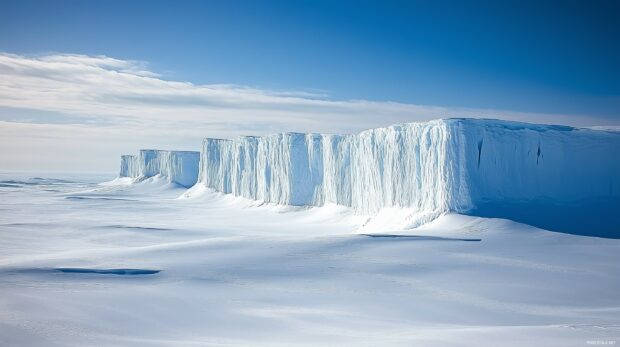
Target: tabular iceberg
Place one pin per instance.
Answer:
(447, 165)
(180, 167)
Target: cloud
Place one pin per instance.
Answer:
(122, 101)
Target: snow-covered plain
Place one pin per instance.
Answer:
(235, 272)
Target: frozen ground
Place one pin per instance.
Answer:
(117, 265)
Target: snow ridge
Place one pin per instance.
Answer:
(180, 167)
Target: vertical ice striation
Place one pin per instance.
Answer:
(277, 168)
(435, 167)
(180, 167)
(130, 166)
(409, 165)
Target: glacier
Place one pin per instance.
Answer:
(179, 167)
(446, 165)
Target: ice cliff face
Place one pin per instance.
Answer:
(451, 165)
(408, 165)
(130, 166)
(434, 167)
(518, 161)
(180, 167)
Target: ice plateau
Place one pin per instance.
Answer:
(180, 167)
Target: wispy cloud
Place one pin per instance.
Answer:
(109, 98)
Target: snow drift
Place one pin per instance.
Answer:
(180, 167)
(448, 165)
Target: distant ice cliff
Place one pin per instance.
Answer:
(180, 167)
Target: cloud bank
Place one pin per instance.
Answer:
(78, 112)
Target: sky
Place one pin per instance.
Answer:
(82, 82)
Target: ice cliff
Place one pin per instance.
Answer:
(434, 167)
(180, 167)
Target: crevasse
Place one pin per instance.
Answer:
(180, 167)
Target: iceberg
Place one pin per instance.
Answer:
(180, 167)
(446, 165)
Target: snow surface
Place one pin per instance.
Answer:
(79, 262)
(180, 167)
(447, 165)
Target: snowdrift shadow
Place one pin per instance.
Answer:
(129, 272)
(76, 197)
(9, 185)
(592, 217)
(81, 270)
(137, 228)
(418, 237)
(36, 181)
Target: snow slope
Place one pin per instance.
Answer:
(447, 165)
(180, 167)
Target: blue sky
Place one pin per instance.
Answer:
(509, 58)
(521, 55)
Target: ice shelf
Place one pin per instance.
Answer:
(446, 165)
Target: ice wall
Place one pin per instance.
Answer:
(435, 167)
(412, 165)
(180, 167)
(130, 166)
(518, 161)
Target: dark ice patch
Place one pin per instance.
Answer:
(125, 272)
(418, 237)
(77, 270)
